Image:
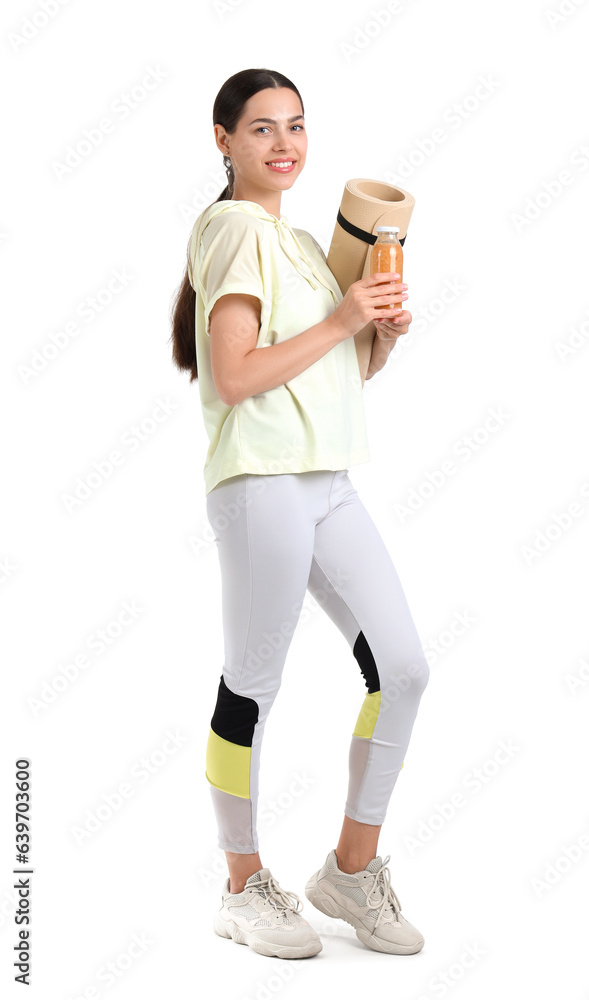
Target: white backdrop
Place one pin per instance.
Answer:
(478, 481)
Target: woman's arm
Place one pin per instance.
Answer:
(364, 343)
(380, 355)
(240, 370)
(387, 333)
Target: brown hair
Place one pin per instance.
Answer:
(227, 111)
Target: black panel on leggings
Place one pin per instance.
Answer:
(363, 654)
(235, 716)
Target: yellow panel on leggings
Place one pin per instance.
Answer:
(228, 766)
(368, 715)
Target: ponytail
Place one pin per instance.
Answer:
(184, 303)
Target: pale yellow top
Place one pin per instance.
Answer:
(315, 420)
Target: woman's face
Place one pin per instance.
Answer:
(256, 143)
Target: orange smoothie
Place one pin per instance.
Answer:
(387, 255)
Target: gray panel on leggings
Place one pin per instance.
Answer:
(358, 759)
(234, 817)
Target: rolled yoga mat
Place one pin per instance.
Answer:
(365, 205)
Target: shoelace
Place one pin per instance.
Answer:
(382, 880)
(278, 897)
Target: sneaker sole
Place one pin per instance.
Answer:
(229, 929)
(326, 904)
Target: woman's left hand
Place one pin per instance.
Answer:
(390, 329)
(385, 338)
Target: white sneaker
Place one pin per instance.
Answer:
(266, 918)
(368, 902)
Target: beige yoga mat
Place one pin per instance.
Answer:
(365, 205)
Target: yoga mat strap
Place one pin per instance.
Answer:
(360, 234)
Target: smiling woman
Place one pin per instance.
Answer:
(280, 144)
(282, 402)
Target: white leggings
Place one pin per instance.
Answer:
(277, 536)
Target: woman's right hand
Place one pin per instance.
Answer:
(359, 304)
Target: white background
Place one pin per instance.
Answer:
(492, 219)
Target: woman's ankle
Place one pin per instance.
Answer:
(237, 883)
(357, 845)
(350, 864)
(241, 866)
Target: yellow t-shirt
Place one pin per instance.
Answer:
(315, 420)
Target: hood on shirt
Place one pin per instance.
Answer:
(288, 239)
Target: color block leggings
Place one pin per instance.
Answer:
(277, 536)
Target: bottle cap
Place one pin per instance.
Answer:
(388, 229)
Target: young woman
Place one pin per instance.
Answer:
(281, 393)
